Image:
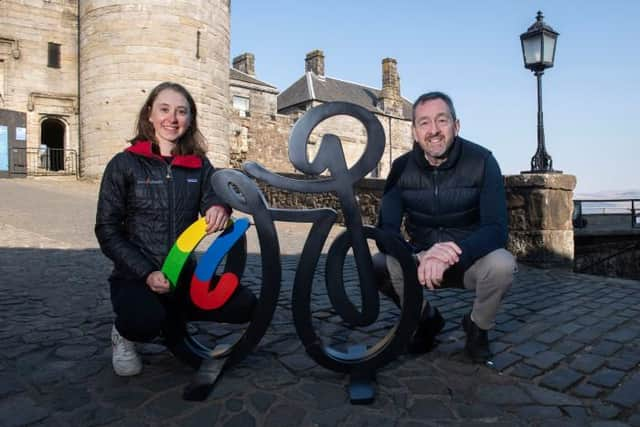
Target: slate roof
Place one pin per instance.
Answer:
(239, 75)
(311, 87)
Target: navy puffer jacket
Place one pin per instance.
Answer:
(145, 204)
(462, 200)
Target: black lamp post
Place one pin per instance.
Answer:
(539, 50)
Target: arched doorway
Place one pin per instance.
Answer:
(52, 144)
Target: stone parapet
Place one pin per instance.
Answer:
(368, 193)
(540, 210)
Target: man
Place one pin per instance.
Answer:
(450, 193)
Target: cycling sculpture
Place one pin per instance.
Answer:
(242, 194)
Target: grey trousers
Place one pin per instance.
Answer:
(490, 276)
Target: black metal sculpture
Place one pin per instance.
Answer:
(242, 194)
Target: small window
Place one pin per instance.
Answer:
(54, 55)
(241, 104)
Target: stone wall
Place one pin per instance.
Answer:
(27, 84)
(540, 209)
(128, 47)
(261, 138)
(368, 193)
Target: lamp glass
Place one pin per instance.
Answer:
(532, 49)
(549, 48)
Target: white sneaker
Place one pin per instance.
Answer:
(124, 357)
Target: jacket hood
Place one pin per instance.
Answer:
(144, 148)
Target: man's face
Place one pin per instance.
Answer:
(434, 129)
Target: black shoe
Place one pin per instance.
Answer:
(424, 338)
(477, 345)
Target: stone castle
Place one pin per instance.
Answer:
(73, 75)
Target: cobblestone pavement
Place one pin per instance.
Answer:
(567, 345)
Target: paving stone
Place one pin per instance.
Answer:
(429, 409)
(208, 416)
(128, 397)
(168, 405)
(628, 394)
(75, 352)
(9, 384)
(609, 424)
(587, 390)
(298, 362)
(335, 417)
(539, 412)
(549, 337)
(606, 348)
(234, 405)
(544, 396)
(515, 337)
(577, 412)
(426, 385)
(20, 410)
(91, 415)
(586, 335)
(569, 328)
(605, 411)
(502, 395)
(510, 326)
(522, 370)
(325, 395)
(622, 364)
(587, 363)
(284, 415)
(484, 410)
(634, 420)
(623, 335)
(262, 401)
(606, 377)
(504, 360)
(545, 359)
(567, 347)
(560, 379)
(529, 349)
(243, 419)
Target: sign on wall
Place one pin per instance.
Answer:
(4, 148)
(21, 134)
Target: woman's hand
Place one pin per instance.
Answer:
(158, 283)
(217, 218)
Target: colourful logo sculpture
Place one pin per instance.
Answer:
(208, 263)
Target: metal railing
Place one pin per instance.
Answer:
(49, 161)
(606, 212)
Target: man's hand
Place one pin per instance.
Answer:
(431, 271)
(158, 283)
(217, 218)
(446, 252)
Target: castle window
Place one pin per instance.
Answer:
(54, 55)
(241, 105)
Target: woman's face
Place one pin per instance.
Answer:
(170, 116)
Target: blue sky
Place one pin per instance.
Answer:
(471, 50)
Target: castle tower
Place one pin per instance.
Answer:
(127, 47)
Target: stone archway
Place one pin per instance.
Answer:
(52, 135)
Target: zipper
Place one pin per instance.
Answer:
(171, 191)
(436, 201)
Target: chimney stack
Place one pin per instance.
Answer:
(390, 79)
(245, 63)
(314, 62)
(390, 99)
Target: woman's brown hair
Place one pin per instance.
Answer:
(192, 142)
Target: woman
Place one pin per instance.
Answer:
(149, 195)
